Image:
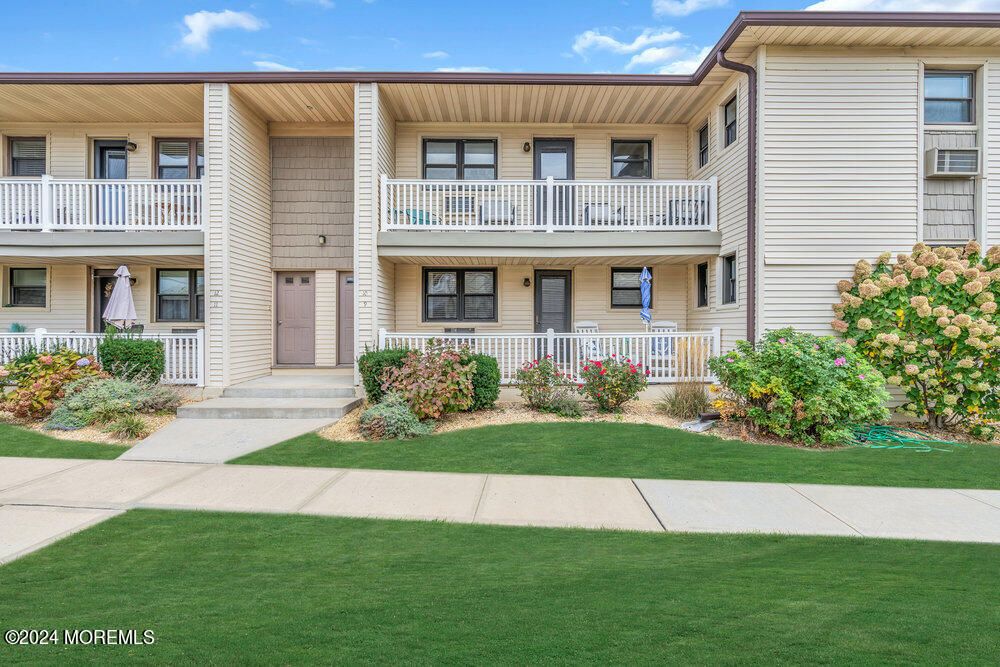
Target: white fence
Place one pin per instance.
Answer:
(184, 360)
(548, 205)
(84, 204)
(669, 357)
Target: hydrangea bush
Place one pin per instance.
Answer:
(435, 381)
(40, 381)
(800, 386)
(927, 320)
(612, 383)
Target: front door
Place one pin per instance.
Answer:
(296, 318)
(345, 318)
(104, 282)
(554, 158)
(110, 160)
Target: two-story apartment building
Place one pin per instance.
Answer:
(297, 218)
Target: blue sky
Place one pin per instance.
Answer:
(636, 36)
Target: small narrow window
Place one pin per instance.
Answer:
(948, 97)
(626, 289)
(460, 159)
(27, 156)
(631, 159)
(180, 158)
(460, 294)
(703, 284)
(729, 279)
(27, 287)
(703, 146)
(729, 120)
(180, 295)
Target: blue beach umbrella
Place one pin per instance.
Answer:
(645, 279)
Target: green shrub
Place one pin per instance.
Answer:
(800, 386)
(105, 400)
(485, 382)
(612, 383)
(685, 400)
(392, 418)
(40, 382)
(132, 358)
(928, 322)
(128, 426)
(564, 404)
(14, 371)
(538, 381)
(372, 366)
(64, 419)
(435, 381)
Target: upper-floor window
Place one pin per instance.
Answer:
(631, 159)
(27, 287)
(948, 97)
(703, 284)
(180, 158)
(703, 146)
(27, 156)
(626, 288)
(729, 121)
(729, 279)
(460, 159)
(180, 295)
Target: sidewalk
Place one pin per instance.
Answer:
(42, 500)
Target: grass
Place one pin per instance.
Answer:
(16, 441)
(239, 588)
(636, 450)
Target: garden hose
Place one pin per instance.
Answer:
(878, 436)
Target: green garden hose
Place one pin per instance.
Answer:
(878, 436)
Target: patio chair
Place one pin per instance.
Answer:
(589, 348)
(496, 213)
(661, 349)
(600, 214)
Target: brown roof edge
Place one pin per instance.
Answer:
(742, 21)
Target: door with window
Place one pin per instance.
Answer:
(554, 158)
(553, 306)
(296, 318)
(110, 163)
(104, 283)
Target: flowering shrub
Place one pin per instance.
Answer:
(800, 386)
(927, 321)
(539, 382)
(40, 381)
(612, 383)
(433, 382)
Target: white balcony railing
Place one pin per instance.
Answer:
(184, 361)
(669, 357)
(549, 205)
(51, 204)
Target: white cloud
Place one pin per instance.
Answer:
(467, 68)
(655, 55)
(437, 54)
(596, 40)
(684, 7)
(325, 4)
(305, 41)
(202, 24)
(685, 65)
(905, 6)
(271, 66)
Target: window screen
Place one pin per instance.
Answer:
(460, 294)
(27, 287)
(27, 157)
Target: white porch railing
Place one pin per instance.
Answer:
(84, 204)
(549, 205)
(185, 363)
(669, 357)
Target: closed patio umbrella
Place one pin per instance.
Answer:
(120, 311)
(645, 289)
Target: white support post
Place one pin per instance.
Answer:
(713, 204)
(716, 341)
(381, 338)
(550, 340)
(383, 201)
(39, 339)
(550, 206)
(200, 356)
(46, 201)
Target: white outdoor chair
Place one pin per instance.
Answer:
(590, 348)
(662, 349)
(600, 214)
(496, 213)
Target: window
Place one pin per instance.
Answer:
(948, 97)
(460, 294)
(460, 159)
(729, 120)
(180, 158)
(703, 146)
(27, 287)
(703, 284)
(625, 291)
(631, 159)
(180, 295)
(27, 157)
(729, 279)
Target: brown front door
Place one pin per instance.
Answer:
(345, 318)
(296, 312)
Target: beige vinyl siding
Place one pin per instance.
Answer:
(729, 165)
(991, 151)
(69, 146)
(385, 161)
(326, 318)
(591, 299)
(592, 146)
(216, 232)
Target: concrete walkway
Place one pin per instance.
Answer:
(42, 500)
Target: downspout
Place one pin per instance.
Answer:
(751, 73)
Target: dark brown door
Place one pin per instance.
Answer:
(104, 282)
(345, 318)
(553, 298)
(296, 323)
(554, 157)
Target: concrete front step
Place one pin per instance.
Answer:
(269, 408)
(241, 391)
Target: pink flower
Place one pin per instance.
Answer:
(579, 386)
(839, 361)
(782, 340)
(862, 376)
(729, 360)
(46, 360)
(614, 355)
(815, 346)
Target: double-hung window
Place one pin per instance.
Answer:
(703, 146)
(631, 159)
(460, 159)
(703, 284)
(27, 156)
(180, 295)
(460, 295)
(729, 279)
(729, 121)
(27, 287)
(626, 291)
(180, 158)
(948, 97)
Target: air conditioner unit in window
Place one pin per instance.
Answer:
(952, 162)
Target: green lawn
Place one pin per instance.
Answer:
(633, 450)
(16, 441)
(237, 588)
